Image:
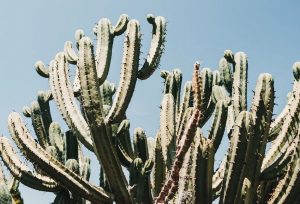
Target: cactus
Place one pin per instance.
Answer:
(177, 165)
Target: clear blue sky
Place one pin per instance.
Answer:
(268, 31)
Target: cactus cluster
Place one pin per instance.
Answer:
(178, 164)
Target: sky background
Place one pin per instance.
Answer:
(268, 31)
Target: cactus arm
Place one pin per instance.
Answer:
(70, 53)
(54, 168)
(218, 126)
(107, 90)
(186, 102)
(121, 25)
(205, 87)
(156, 47)
(26, 111)
(104, 48)
(167, 128)
(36, 120)
(187, 115)
(123, 136)
(217, 179)
(41, 69)
(286, 135)
(170, 185)
(225, 74)
(85, 170)
(261, 109)
(216, 78)
(204, 171)
(92, 104)
(128, 75)
(64, 99)
(21, 172)
(286, 186)
(159, 169)
(237, 158)
(239, 87)
(43, 99)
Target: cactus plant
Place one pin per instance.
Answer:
(177, 165)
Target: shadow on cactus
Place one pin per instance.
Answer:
(177, 166)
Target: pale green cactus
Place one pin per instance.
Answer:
(177, 165)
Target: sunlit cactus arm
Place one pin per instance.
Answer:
(239, 87)
(37, 124)
(187, 101)
(167, 129)
(286, 191)
(123, 136)
(64, 98)
(85, 170)
(279, 120)
(287, 133)
(204, 171)
(21, 171)
(156, 48)
(101, 135)
(218, 126)
(237, 157)
(261, 109)
(41, 69)
(159, 169)
(121, 25)
(279, 167)
(54, 168)
(217, 179)
(206, 77)
(70, 53)
(128, 74)
(107, 90)
(43, 98)
(187, 115)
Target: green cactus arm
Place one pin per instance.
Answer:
(278, 168)
(140, 144)
(173, 82)
(64, 98)
(219, 93)
(43, 98)
(216, 78)
(159, 169)
(225, 74)
(105, 39)
(238, 154)
(261, 109)
(239, 86)
(78, 35)
(121, 25)
(204, 171)
(156, 48)
(123, 136)
(54, 168)
(276, 125)
(70, 53)
(92, 104)
(167, 128)
(107, 90)
(186, 102)
(37, 124)
(21, 171)
(128, 74)
(285, 188)
(218, 126)
(206, 79)
(286, 134)
(41, 69)
(26, 110)
(76, 84)
(279, 120)
(56, 139)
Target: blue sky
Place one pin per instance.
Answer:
(268, 31)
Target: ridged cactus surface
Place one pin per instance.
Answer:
(261, 164)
